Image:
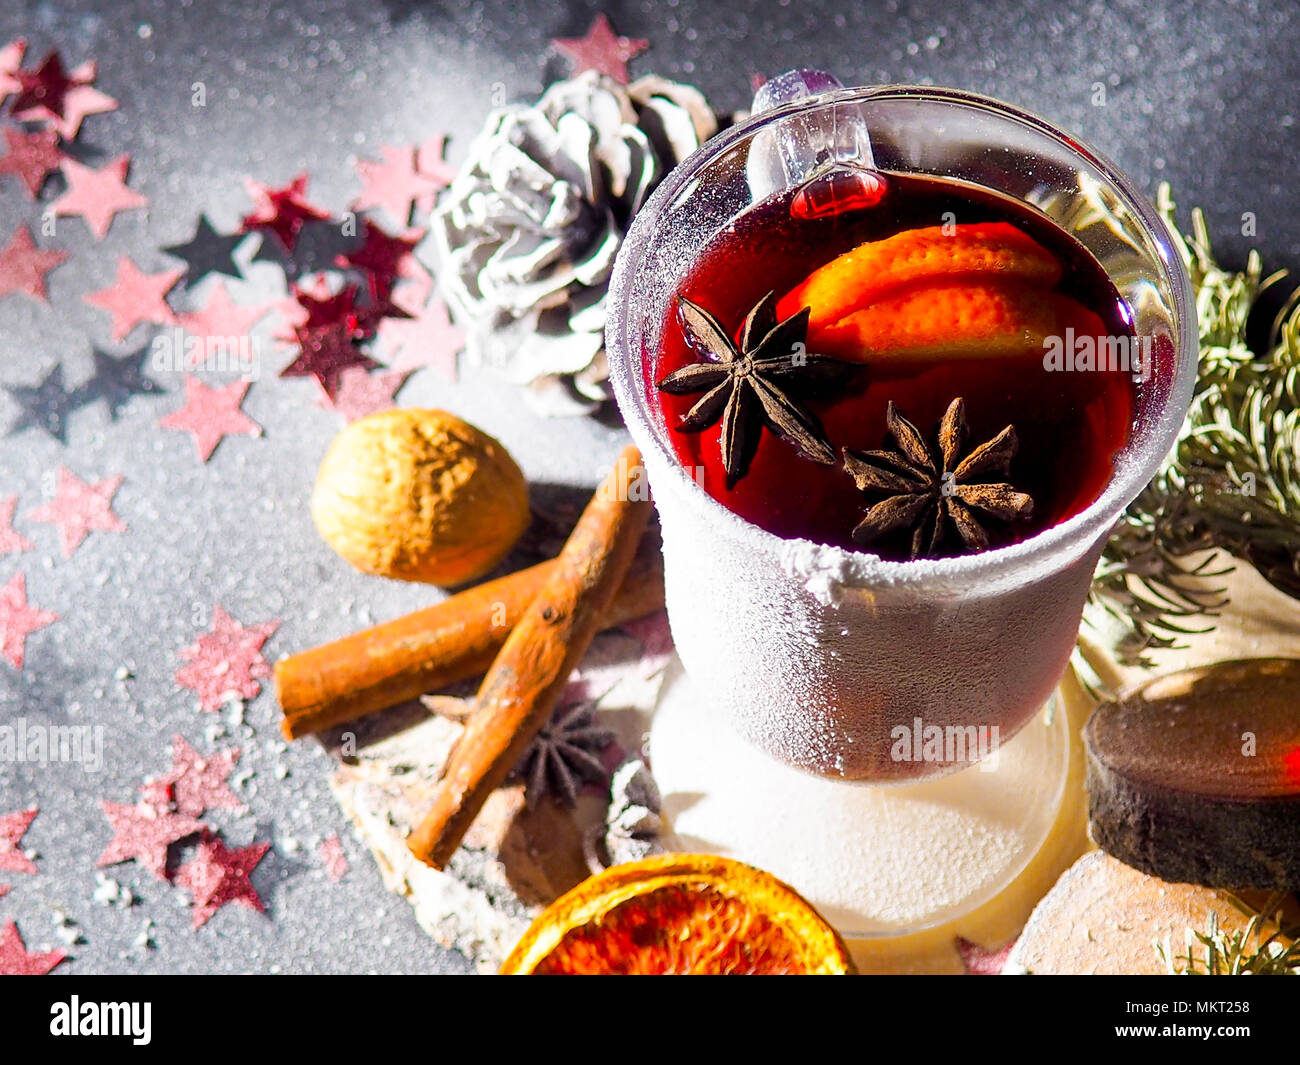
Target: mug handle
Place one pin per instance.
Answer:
(823, 152)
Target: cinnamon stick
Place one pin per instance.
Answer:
(533, 666)
(432, 648)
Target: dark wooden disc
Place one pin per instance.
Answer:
(1195, 777)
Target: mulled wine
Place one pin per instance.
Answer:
(850, 336)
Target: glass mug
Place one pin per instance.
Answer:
(816, 654)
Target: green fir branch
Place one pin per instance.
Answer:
(1240, 953)
(1231, 483)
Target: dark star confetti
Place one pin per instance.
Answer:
(207, 252)
(46, 406)
(117, 379)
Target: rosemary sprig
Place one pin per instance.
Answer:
(1240, 953)
(1231, 482)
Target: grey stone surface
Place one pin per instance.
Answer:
(1203, 96)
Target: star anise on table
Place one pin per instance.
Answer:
(749, 385)
(564, 755)
(930, 490)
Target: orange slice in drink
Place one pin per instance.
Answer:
(680, 914)
(875, 270)
(966, 319)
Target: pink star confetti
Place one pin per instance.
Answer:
(227, 660)
(429, 339)
(18, 619)
(211, 414)
(601, 50)
(395, 184)
(97, 195)
(11, 541)
(143, 833)
(333, 858)
(222, 316)
(430, 163)
(136, 297)
(11, 61)
(17, 960)
(12, 827)
(47, 94)
(31, 157)
(361, 392)
(216, 876)
(980, 961)
(194, 784)
(79, 508)
(283, 211)
(4, 890)
(23, 265)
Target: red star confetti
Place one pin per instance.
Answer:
(18, 619)
(429, 339)
(361, 392)
(79, 508)
(324, 354)
(48, 94)
(335, 861)
(601, 50)
(23, 265)
(194, 784)
(97, 195)
(329, 310)
(31, 157)
(980, 961)
(383, 258)
(222, 318)
(17, 960)
(291, 311)
(283, 211)
(430, 163)
(216, 876)
(212, 414)
(227, 660)
(12, 827)
(136, 297)
(395, 184)
(11, 542)
(4, 890)
(143, 833)
(11, 60)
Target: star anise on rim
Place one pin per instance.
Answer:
(933, 489)
(749, 385)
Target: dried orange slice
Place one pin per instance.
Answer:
(680, 914)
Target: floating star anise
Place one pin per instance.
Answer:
(565, 754)
(748, 385)
(931, 489)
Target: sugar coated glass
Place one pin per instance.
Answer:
(823, 656)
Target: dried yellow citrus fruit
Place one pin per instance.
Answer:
(680, 914)
(420, 495)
